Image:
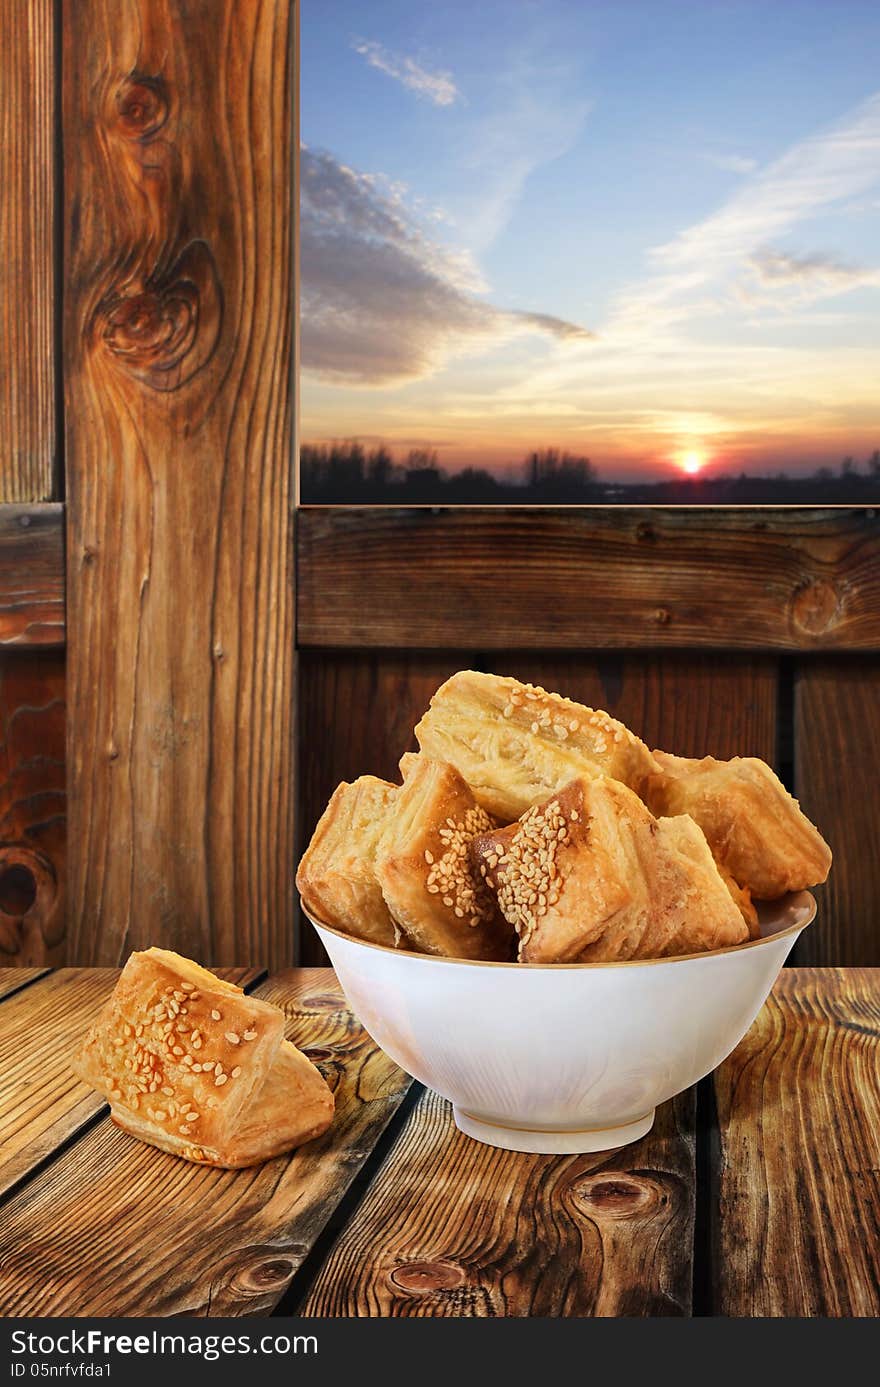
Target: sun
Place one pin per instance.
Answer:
(692, 462)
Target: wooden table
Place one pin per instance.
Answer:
(758, 1193)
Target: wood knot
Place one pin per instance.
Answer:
(142, 107)
(617, 1196)
(816, 607)
(645, 532)
(662, 616)
(267, 1276)
(421, 1278)
(323, 1002)
(166, 329)
(28, 888)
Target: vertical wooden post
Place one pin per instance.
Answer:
(27, 139)
(177, 128)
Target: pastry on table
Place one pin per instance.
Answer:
(191, 1064)
(590, 875)
(337, 876)
(430, 883)
(515, 744)
(755, 828)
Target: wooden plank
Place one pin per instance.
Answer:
(452, 1227)
(42, 1104)
(168, 1238)
(799, 1113)
(358, 709)
(32, 575)
(837, 752)
(13, 979)
(33, 845)
(27, 377)
(177, 342)
(571, 578)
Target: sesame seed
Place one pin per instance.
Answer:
(220, 1079)
(188, 986)
(208, 1066)
(232, 1037)
(215, 1015)
(236, 1071)
(528, 868)
(429, 857)
(250, 1035)
(169, 1092)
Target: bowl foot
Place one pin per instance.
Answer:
(543, 1141)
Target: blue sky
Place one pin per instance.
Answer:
(642, 231)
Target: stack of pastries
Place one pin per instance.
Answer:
(530, 828)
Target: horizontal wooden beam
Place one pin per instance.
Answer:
(32, 575)
(555, 578)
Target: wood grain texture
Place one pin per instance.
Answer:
(557, 578)
(14, 979)
(42, 1104)
(168, 1238)
(357, 710)
(799, 1178)
(177, 341)
(32, 576)
(27, 378)
(837, 755)
(33, 839)
(452, 1227)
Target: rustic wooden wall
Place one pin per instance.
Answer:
(177, 129)
(723, 632)
(32, 807)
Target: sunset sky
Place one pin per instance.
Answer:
(647, 231)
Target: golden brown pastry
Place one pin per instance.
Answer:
(430, 884)
(590, 875)
(192, 1065)
(515, 744)
(755, 828)
(742, 899)
(336, 877)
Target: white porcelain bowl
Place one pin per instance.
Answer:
(565, 1057)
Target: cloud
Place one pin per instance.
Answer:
(835, 165)
(381, 303)
(437, 87)
(805, 277)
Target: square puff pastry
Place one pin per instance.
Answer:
(515, 744)
(590, 875)
(190, 1064)
(430, 884)
(337, 877)
(755, 828)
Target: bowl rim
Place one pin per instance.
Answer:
(797, 928)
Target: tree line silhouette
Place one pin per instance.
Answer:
(348, 473)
